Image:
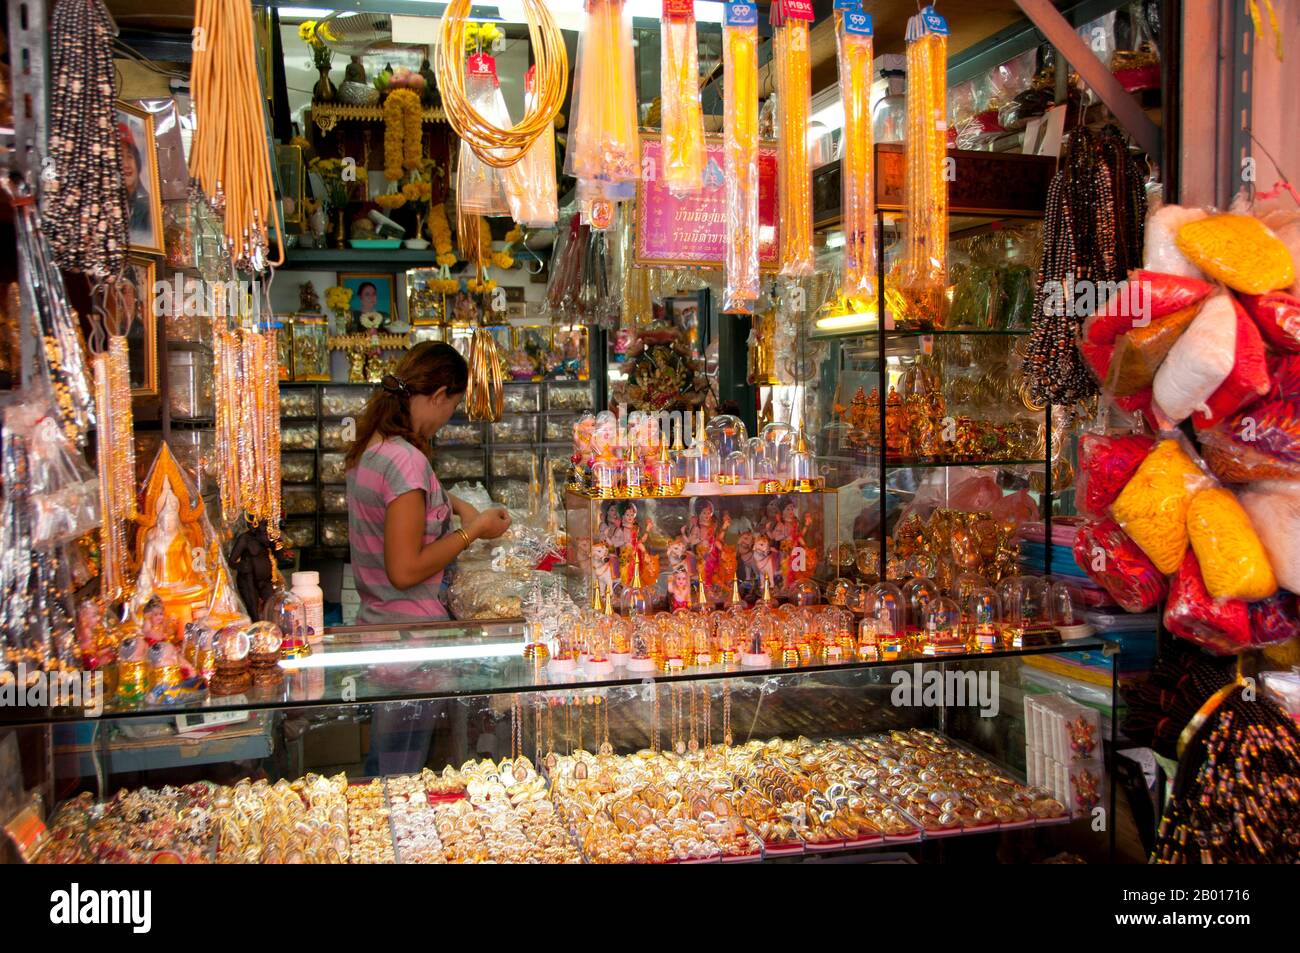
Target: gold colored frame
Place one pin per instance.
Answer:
(149, 171)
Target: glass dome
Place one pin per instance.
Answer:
(1025, 601)
(918, 593)
(285, 610)
(644, 636)
(700, 468)
(838, 591)
(942, 618)
(1061, 606)
(965, 583)
(857, 600)
(735, 469)
(726, 434)
(885, 604)
(264, 638)
(777, 444)
(921, 565)
(979, 607)
(805, 593)
(232, 643)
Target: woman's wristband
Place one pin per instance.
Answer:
(464, 537)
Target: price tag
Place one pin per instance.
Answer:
(679, 9)
(934, 23)
(480, 64)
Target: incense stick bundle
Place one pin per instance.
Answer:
(858, 275)
(794, 176)
(740, 156)
(924, 265)
(683, 120)
(605, 145)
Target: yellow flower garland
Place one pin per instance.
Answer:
(402, 133)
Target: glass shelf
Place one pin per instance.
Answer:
(953, 332)
(377, 664)
(896, 464)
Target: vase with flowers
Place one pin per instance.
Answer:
(317, 36)
(337, 180)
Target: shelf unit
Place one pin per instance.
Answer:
(986, 189)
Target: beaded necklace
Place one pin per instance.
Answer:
(85, 201)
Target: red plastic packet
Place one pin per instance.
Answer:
(1277, 315)
(1249, 379)
(1274, 620)
(1118, 565)
(1106, 463)
(1221, 626)
(1145, 297)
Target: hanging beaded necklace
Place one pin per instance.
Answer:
(1092, 232)
(85, 200)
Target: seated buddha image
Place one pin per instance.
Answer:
(170, 534)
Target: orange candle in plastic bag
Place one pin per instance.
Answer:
(740, 151)
(923, 268)
(530, 182)
(683, 121)
(854, 43)
(605, 144)
(790, 58)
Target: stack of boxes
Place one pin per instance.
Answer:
(1063, 752)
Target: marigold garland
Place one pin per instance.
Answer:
(440, 230)
(402, 133)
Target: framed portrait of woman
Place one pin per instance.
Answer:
(140, 174)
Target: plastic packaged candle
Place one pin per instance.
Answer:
(604, 146)
(479, 188)
(857, 203)
(740, 154)
(922, 269)
(530, 182)
(683, 122)
(791, 60)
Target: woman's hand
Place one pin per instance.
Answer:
(489, 524)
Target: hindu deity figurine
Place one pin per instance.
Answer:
(97, 641)
(170, 533)
(679, 589)
(797, 559)
(766, 561)
(602, 565)
(705, 534)
(633, 557)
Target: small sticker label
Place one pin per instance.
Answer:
(934, 23)
(741, 14)
(602, 214)
(848, 4)
(797, 9)
(857, 23)
(679, 9)
(480, 64)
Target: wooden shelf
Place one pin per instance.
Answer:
(328, 115)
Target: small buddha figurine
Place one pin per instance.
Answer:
(898, 441)
(170, 533)
(355, 71)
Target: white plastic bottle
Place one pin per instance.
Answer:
(306, 586)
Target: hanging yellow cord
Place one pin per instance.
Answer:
(501, 148)
(230, 157)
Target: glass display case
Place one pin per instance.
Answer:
(445, 743)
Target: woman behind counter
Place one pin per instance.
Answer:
(399, 516)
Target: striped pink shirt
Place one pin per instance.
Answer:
(384, 472)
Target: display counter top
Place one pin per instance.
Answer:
(359, 665)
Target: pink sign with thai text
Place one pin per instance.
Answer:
(693, 230)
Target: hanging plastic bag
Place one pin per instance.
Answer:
(1140, 352)
(853, 38)
(679, 83)
(1238, 250)
(1221, 626)
(480, 189)
(1160, 246)
(740, 155)
(62, 490)
(1152, 508)
(604, 146)
(1248, 380)
(1277, 315)
(1232, 558)
(1199, 361)
(1106, 464)
(530, 182)
(1118, 565)
(1274, 509)
(1274, 620)
(1146, 296)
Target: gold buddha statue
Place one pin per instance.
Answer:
(170, 534)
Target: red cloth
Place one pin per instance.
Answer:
(1106, 464)
(1118, 565)
(1158, 295)
(1221, 626)
(1277, 315)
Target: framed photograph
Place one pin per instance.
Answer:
(173, 176)
(373, 304)
(130, 306)
(288, 160)
(140, 173)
